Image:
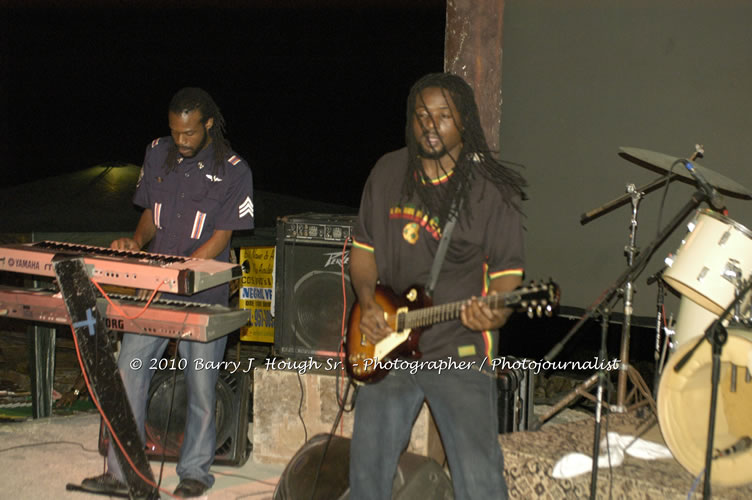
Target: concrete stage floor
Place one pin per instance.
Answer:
(38, 458)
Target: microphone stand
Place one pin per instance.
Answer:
(659, 319)
(624, 199)
(599, 404)
(717, 335)
(697, 198)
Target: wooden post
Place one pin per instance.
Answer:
(472, 50)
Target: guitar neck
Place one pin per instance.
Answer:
(421, 318)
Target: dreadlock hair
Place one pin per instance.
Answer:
(195, 99)
(475, 156)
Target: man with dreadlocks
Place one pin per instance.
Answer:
(445, 169)
(195, 191)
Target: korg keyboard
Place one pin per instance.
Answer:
(163, 318)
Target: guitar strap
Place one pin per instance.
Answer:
(438, 259)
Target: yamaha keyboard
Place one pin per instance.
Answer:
(168, 273)
(163, 318)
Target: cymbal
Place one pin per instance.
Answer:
(661, 163)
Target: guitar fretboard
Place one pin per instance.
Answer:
(427, 316)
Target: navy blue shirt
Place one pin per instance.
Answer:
(193, 201)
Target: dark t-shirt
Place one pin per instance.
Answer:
(191, 202)
(404, 241)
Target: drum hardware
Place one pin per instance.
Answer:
(625, 369)
(717, 335)
(639, 263)
(624, 284)
(664, 331)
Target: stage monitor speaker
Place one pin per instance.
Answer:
(231, 419)
(417, 477)
(309, 292)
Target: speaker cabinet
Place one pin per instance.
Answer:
(231, 418)
(417, 477)
(309, 300)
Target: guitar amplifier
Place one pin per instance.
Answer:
(516, 384)
(312, 291)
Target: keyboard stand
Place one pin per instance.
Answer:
(100, 369)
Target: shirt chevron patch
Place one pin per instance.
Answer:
(245, 208)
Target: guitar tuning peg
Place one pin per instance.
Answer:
(549, 310)
(530, 313)
(539, 310)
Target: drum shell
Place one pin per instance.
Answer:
(684, 408)
(697, 270)
(691, 321)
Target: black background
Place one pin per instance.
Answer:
(312, 96)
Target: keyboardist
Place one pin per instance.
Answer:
(195, 192)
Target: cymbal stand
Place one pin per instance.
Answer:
(697, 198)
(625, 369)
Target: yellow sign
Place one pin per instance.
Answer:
(256, 290)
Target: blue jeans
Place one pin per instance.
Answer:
(463, 404)
(199, 441)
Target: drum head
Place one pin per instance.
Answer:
(684, 408)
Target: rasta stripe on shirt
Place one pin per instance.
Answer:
(506, 272)
(362, 246)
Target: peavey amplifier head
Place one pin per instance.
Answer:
(310, 294)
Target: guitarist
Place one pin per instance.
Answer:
(446, 166)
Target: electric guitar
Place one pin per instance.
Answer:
(412, 313)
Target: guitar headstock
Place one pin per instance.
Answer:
(539, 299)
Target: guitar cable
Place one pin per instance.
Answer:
(339, 379)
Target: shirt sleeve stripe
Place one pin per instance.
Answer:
(506, 272)
(362, 246)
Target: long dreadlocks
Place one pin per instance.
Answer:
(195, 99)
(475, 156)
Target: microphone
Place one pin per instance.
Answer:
(714, 197)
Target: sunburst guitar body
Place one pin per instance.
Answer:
(411, 313)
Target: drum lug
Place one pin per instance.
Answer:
(732, 272)
(724, 238)
(703, 273)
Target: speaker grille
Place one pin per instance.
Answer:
(311, 254)
(231, 418)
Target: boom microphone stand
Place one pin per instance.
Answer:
(599, 405)
(697, 198)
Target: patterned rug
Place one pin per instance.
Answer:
(530, 458)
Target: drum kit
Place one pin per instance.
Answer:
(704, 360)
(711, 270)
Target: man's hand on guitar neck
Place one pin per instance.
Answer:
(372, 322)
(477, 316)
